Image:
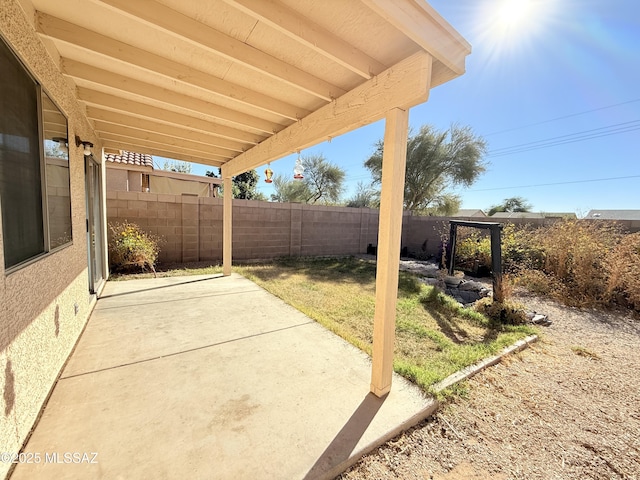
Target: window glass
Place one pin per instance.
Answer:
(20, 165)
(35, 199)
(56, 155)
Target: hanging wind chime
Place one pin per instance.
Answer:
(268, 173)
(298, 169)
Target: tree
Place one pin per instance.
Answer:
(365, 196)
(436, 161)
(323, 179)
(322, 183)
(291, 191)
(244, 186)
(176, 166)
(513, 204)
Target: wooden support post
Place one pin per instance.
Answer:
(496, 263)
(227, 234)
(391, 200)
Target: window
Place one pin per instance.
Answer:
(34, 166)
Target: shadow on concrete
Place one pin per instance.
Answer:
(181, 299)
(162, 286)
(188, 350)
(341, 447)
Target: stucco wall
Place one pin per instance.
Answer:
(117, 180)
(38, 322)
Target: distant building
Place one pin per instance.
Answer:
(469, 212)
(614, 214)
(134, 172)
(534, 215)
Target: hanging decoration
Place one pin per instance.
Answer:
(298, 169)
(268, 173)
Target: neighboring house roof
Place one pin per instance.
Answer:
(559, 214)
(469, 212)
(534, 215)
(614, 214)
(130, 158)
(517, 215)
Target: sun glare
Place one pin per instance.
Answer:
(514, 12)
(511, 26)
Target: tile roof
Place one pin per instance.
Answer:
(130, 158)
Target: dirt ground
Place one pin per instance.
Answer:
(566, 408)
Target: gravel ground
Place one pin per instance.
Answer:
(566, 408)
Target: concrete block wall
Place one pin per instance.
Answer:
(191, 227)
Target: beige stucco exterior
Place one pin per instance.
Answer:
(39, 324)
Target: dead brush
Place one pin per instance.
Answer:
(623, 272)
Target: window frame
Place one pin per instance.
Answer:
(44, 204)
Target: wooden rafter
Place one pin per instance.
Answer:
(401, 86)
(172, 130)
(143, 142)
(441, 41)
(113, 102)
(227, 47)
(300, 28)
(61, 30)
(132, 133)
(161, 152)
(166, 96)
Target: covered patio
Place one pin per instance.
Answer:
(239, 83)
(208, 374)
(212, 377)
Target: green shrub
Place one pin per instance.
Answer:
(519, 249)
(473, 250)
(131, 247)
(502, 312)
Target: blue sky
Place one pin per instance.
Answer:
(565, 73)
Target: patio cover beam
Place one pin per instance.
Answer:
(402, 86)
(302, 29)
(442, 41)
(175, 23)
(389, 230)
(58, 29)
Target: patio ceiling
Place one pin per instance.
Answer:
(243, 82)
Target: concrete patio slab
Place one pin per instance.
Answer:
(211, 377)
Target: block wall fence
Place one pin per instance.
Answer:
(191, 227)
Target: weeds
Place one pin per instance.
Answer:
(578, 262)
(583, 352)
(131, 247)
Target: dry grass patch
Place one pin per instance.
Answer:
(434, 337)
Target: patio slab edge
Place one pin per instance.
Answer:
(452, 379)
(476, 368)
